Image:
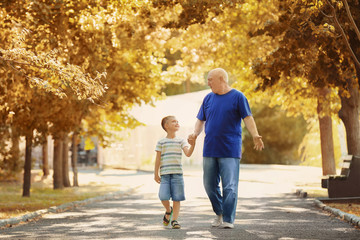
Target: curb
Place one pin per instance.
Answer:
(353, 219)
(300, 193)
(58, 209)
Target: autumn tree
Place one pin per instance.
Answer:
(125, 40)
(310, 49)
(27, 73)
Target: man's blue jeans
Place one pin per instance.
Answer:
(228, 170)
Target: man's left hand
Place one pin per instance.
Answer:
(258, 143)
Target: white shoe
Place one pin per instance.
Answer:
(227, 225)
(217, 221)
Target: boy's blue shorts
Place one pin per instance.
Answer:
(172, 186)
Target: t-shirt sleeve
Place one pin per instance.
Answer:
(201, 114)
(244, 107)
(184, 143)
(158, 147)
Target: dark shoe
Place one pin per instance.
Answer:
(175, 224)
(165, 221)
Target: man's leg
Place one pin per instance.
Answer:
(229, 172)
(211, 180)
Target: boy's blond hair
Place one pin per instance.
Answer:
(164, 121)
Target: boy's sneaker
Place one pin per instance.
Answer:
(217, 221)
(227, 225)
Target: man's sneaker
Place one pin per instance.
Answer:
(217, 221)
(227, 225)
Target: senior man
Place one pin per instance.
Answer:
(221, 112)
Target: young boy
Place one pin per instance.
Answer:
(168, 161)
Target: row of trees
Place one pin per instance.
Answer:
(55, 55)
(52, 76)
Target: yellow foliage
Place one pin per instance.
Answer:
(89, 144)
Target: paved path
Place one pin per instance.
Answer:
(267, 209)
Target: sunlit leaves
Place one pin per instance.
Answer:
(58, 76)
(308, 48)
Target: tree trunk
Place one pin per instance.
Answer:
(45, 155)
(27, 166)
(65, 161)
(187, 85)
(14, 164)
(349, 114)
(58, 173)
(326, 137)
(74, 158)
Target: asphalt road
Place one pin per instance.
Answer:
(267, 209)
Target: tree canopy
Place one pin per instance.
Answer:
(79, 66)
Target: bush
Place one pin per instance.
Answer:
(282, 136)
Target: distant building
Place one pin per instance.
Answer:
(137, 149)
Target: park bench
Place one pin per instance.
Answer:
(347, 183)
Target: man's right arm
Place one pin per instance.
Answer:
(199, 126)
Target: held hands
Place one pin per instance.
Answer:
(258, 143)
(192, 139)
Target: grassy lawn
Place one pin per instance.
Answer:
(43, 196)
(352, 208)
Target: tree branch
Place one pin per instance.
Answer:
(338, 26)
(351, 18)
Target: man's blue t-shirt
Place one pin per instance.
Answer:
(222, 115)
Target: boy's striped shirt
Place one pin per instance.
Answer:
(171, 153)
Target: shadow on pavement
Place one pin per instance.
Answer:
(140, 217)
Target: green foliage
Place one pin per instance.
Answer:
(282, 136)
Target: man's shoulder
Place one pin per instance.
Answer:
(210, 94)
(238, 93)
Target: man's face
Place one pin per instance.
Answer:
(214, 82)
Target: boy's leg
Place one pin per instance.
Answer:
(166, 204)
(177, 193)
(176, 210)
(164, 194)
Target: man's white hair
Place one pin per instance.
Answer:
(221, 72)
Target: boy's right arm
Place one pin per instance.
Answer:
(157, 167)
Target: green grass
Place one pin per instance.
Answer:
(43, 196)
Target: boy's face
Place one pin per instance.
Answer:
(172, 125)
